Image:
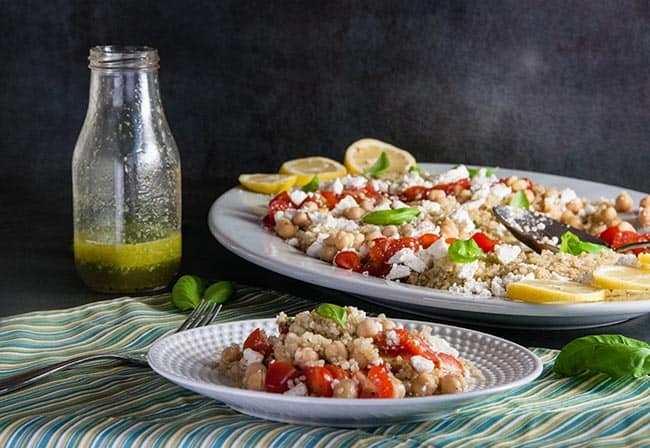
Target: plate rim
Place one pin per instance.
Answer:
(349, 281)
(463, 396)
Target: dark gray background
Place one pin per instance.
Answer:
(555, 86)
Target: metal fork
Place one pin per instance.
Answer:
(204, 314)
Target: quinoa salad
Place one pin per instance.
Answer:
(340, 352)
(421, 228)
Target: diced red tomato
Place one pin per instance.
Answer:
(484, 241)
(348, 259)
(319, 381)
(337, 372)
(389, 347)
(453, 187)
(281, 202)
(428, 239)
(258, 341)
(382, 249)
(278, 374)
(367, 191)
(414, 193)
(378, 384)
(330, 199)
(617, 238)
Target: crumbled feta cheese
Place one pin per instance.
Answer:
(379, 185)
(430, 207)
(556, 276)
(297, 197)
(567, 195)
(251, 356)
(344, 204)
(299, 390)
(628, 260)
(453, 175)
(337, 186)
(463, 221)
(471, 287)
(439, 344)
(500, 191)
(315, 249)
(409, 258)
(422, 364)
(293, 242)
(392, 337)
(398, 271)
(354, 181)
(466, 271)
(506, 252)
(439, 249)
(382, 206)
(398, 204)
(497, 288)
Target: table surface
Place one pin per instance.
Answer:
(39, 273)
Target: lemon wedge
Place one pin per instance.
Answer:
(363, 153)
(306, 168)
(622, 277)
(267, 183)
(645, 261)
(553, 291)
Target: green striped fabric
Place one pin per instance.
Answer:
(111, 405)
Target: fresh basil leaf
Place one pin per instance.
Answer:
(416, 169)
(187, 292)
(379, 167)
(474, 171)
(465, 251)
(612, 354)
(519, 199)
(571, 244)
(333, 312)
(313, 185)
(218, 292)
(395, 216)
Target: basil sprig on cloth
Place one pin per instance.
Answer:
(188, 291)
(465, 251)
(611, 354)
(394, 216)
(571, 244)
(379, 167)
(333, 312)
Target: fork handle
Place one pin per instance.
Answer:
(27, 378)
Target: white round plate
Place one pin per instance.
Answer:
(235, 221)
(187, 359)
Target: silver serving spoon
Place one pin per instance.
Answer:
(539, 232)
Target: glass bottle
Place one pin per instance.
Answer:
(126, 177)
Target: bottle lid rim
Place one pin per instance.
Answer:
(123, 57)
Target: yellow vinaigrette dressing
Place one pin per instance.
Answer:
(129, 267)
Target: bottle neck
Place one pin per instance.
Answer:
(136, 90)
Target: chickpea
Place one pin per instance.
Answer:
(464, 196)
(388, 325)
(539, 189)
(367, 204)
(436, 195)
(336, 351)
(624, 202)
(310, 206)
(305, 357)
(367, 328)
(328, 252)
(424, 385)
(625, 226)
(551, 193)
(511, 180)
(344, 240)
(399, 391)
(285, 228)
(614, 222)
(599, 229)
(609, 214)
(346, 388)
(353, 212)
(231, 354)
(644, 216)
(373, 235)
(390, 230)
(645, 202)
(406, 229)
(518, 185)
(255, 376)
(300, 219)
(449, 229)
(553, 212)
(530, 196)
(571, 219)
(452, 384)
(574, 206)
(359, 238)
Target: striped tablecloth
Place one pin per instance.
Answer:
(110, 405)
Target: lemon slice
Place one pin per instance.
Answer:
(267, 183)
(553, 291)
(306, 168)
(645, 261)
(622, 277)
(363, 153)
